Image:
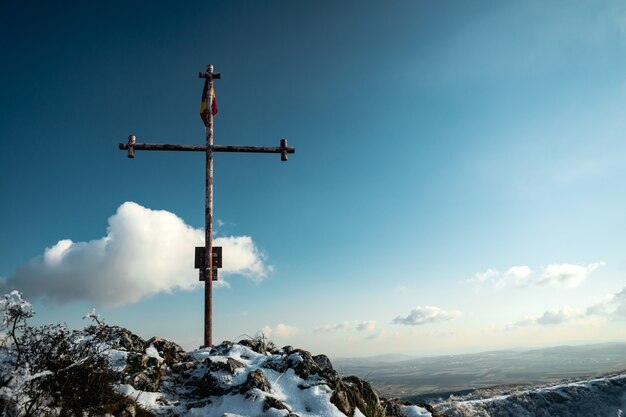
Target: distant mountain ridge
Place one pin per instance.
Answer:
(426, 377)
(601, 397)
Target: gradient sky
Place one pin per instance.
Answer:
(459, 181)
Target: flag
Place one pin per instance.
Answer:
(204, 105)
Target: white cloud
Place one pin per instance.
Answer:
(549, 317)
(561, 275)
(567, 275)
(281, 331)
(619, 299)
(516, 276)
(558, 316)
(482, 277)
(613, 305)
(426, 314)
(367, 325)
(144, 252)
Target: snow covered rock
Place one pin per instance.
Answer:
(593, 397)
(249, 378)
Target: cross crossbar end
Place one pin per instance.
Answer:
(215, 75)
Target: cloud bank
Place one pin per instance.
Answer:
(549, 317)
(614, 306)
(555, 275)
(281, 331)
(144, 252)
(567, 275)
(426, 314)
(367, 325)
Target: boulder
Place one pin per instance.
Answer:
(351, 392)
(259, 345)
(323, 362)
(271, 402)
(169, 351)
(393, 408)
(256, 379)
(230, 366)
(119, 338)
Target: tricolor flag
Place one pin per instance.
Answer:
(204, 105)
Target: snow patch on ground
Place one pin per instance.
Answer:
(146, 399)
(415, 411)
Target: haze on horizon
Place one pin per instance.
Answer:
(458, 184)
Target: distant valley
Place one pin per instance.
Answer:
(428, 378)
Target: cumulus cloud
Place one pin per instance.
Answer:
(549, 317)
(367, 325)
(558, 316)
(619, 299)
(567, 275)
(144, 252)
(614, 305)
(516, 276)
(281, 331)
(482, 277)
(426, 314)
(559, 275)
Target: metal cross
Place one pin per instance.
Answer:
(208, 266)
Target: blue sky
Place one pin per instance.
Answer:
(458, 183)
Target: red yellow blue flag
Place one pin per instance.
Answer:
(204, 105)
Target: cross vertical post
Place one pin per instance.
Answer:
(207, 263)
(208, 219)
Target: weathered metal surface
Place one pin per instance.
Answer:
(214, 75)
(131, 146)
(163, 147)
(216, 260)
(254, 149)
(202, 148)
(284, 150)
(199, 260)
(208, 237)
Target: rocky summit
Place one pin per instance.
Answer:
(251, 377)
(109, 371)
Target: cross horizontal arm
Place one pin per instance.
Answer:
(163, 147)
(132, 146)
(257, 149)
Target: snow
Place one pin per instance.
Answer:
(596, 396)
(146, 399)
(415, 411)
(358, 413)
(310, 402)
(152, 352)
(117, 359)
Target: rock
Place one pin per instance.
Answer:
(323, 362)
(351, 392)
(259, 345)
(169, 351)
(256, 379)
(393, 408)
(119, 338)
(302, 363)
(145, 381)
(222, 349)
(278, 364)
(230, 366)
(206, 386)
(271, 402)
